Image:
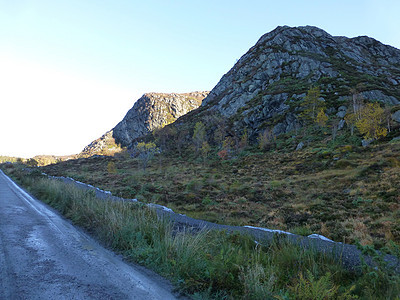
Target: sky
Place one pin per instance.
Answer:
(71, 69)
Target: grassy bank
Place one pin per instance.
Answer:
(209, 264)
(342, 191)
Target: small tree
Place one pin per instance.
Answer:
(223, 154)
(205, 150)
(111, 169)
(145, 152)
(180, 139)
(266, 139)
(199, 135)
(357, 101)
(312, 105)
(351, 120)
(388, 117)
(228, 143)
(371, 123)
(32, 162)
(162, 136)
(321, 118)
(335, 127)
(221, 131)
(244, 139)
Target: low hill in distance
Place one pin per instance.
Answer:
(38, 160)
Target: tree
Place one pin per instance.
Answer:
(145, 152)
(357, 100)
(321, 118)
(351, 120)
(182, 134)
(357, 104)
(312, 105)
(111, 169)
(266, 139)
(32, 162)
(163, 135)
(199, 135)
(228, 143)
(371, 122)
(335, 127)
(244, 139)
(205, 150)
(388, 117)
(220, 131)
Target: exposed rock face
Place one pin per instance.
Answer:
(104, 145)
(269, 80)
(396, 116)
(151, 111)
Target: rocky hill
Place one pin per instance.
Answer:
(151, 111)
(264, 87)
(154, 110)
(104, 145)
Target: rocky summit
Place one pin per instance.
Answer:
(154, 110)
(151, 111)
(264, 87)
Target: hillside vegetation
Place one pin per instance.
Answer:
(338, 188)
(301, 135)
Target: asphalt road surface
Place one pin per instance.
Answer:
(43, 256)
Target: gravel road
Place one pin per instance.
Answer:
(43, 256)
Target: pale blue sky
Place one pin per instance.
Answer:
(70, 70)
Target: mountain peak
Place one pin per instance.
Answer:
(286, 62)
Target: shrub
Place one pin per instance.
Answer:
(266, 139)
(207, 201)
(145, 152)
(111, 169)
(223, 154)
(309, 287)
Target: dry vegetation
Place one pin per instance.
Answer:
(344, 192)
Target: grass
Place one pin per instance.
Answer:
(209, 264)
(334, 188)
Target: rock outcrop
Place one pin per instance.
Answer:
(154, 110)
(105, 145)
(264, 87)
(151, 111)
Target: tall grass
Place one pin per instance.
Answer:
(208, 264)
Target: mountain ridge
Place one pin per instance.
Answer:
(287, 61)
